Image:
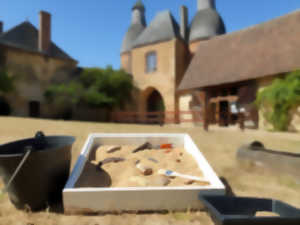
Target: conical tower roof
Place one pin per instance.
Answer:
(207, 21)
(162, 28)
(139, 5)
(137, 26)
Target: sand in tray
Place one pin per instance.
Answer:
(125, 174)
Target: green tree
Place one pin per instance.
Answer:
(278, 100)
(6, 82)
(94, 87)
(62, 94)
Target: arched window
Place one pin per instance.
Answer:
(151, 62)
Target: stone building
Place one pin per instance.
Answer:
(158, 54)
(227, 72)
(29, 55)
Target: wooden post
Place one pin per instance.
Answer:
(218, 113)
(203, 99)
(207, 109)
(242, 121)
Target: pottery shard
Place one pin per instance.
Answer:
(113, 149)
(189, 182)
(145, 146)
(147, 171)
(202, 183)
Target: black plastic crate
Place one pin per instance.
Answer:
(226, 210)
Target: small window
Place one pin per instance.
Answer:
(151, 62)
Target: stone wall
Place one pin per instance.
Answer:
(173, 58)
(194, 46)
(185, 105)
(162, 80)
(126, 62)
(33, 74)
(263, 83)
(182, 60)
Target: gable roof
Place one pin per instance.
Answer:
(267, 49)
(25, 36)
(162, 28)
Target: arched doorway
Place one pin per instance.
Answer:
(153, 105)
(155, 102)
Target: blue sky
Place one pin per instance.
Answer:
(91, 31)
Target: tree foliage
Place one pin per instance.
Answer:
(94, 87)
(6, 82)
(279, 99)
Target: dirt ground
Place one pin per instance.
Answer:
(218, 145)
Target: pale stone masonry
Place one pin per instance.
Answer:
(173, 46)
(36, 62)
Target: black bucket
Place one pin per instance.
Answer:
(41, 178)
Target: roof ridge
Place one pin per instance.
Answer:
(257, 26)
(159, 30)
(25, 36)
(175, 25)
(253, 54)
(17, 26)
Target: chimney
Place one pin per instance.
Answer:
(205, 4)
(183, 22)
(1, 27)
(45, 31)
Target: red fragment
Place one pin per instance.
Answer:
(166, 146)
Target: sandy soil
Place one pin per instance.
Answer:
(126, 174)
(218, 146)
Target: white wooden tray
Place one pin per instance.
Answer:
(94, 200)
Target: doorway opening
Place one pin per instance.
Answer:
(34, 109)
(5, 109)
(224, 113)
(155, 103)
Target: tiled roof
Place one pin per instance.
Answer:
(267, 49)
(25, 37)
(162, 28)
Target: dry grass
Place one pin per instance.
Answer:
(219, 147)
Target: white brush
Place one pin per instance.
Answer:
(171, 173)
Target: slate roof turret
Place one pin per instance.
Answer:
(138, 24)
(162, 28)
(139, 5)
(207, 22)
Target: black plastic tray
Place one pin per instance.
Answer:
(226, 210)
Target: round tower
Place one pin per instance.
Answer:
(206, 24)
(205, 4)
(138, 24)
